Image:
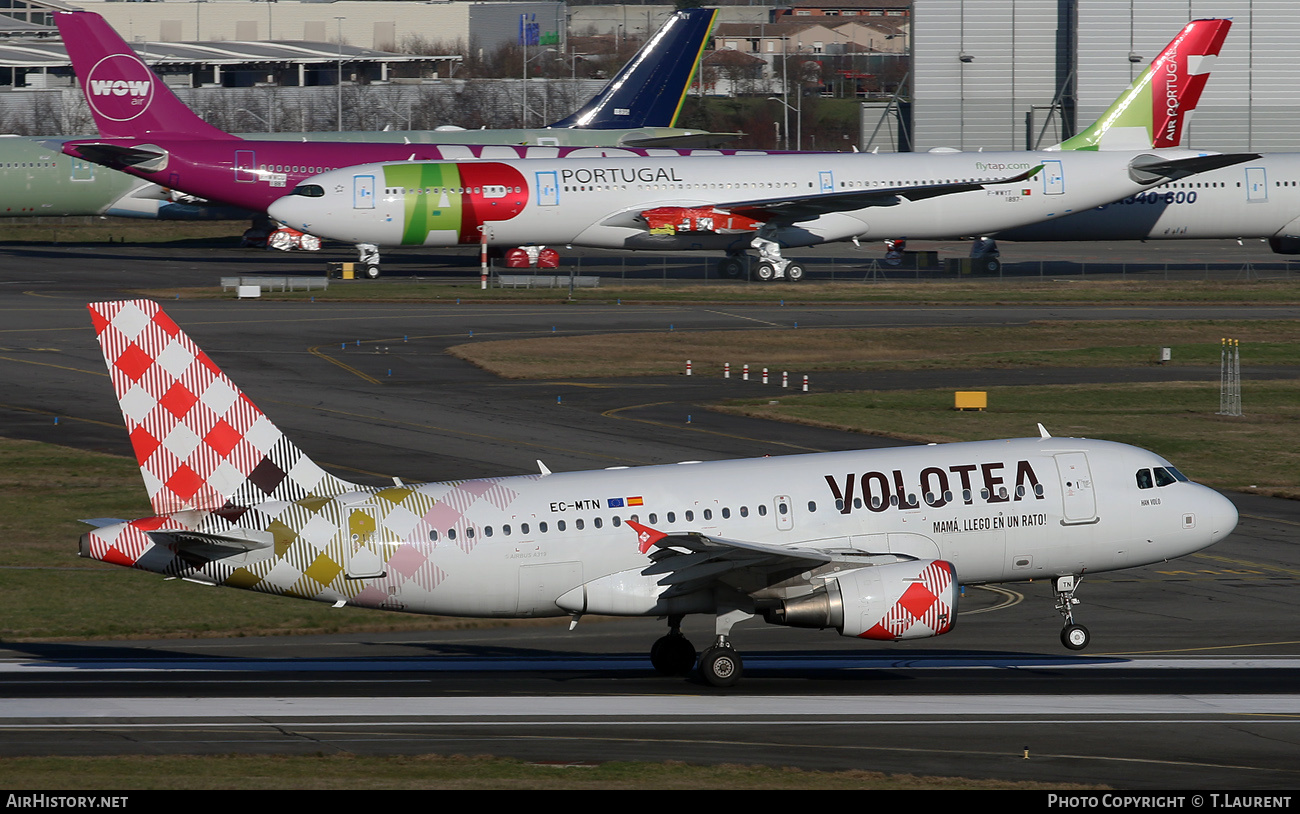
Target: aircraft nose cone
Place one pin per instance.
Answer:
(1223, 516)
(281, 210)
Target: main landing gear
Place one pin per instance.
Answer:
(673, 655)
(1073, 636)
(720, 664)
(769, 266)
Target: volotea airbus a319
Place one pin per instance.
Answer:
(873, 544)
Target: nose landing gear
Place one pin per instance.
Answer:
(1073, 636)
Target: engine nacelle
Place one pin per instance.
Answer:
(902, 600)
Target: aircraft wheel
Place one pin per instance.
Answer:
(765, 272)
(721, 667)
(991, 265)
(731, 267)
(673, 655)
(372, 271)
(794, 272)
(1075, 637)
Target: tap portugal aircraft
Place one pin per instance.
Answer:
(778, 201)
(873, 544)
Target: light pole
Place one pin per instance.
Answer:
(524, 105)
(339, 82)
(787, 107)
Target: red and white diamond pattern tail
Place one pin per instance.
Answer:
(927, 607)
(200, 442)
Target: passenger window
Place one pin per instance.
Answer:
(812, 506)
(744, 511)
(542, 527)
(433, 535)
(578, 524)
(690, 516)
(559, 525)
(1144, 479)
(599, 522)
(654, 519)
(451, 534)
(523, 528)
(726, 513)
(506, 529)
(672, 517)
(762, 510)
(487, 531)
(708, 514)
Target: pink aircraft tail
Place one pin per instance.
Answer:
(201, 443)
(126, 98)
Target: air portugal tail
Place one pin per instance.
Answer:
(200, 442)
(126, 98)
(1153, 112)
(650, 89)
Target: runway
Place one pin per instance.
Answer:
(1190, 683)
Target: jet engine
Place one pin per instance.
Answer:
(916, 599)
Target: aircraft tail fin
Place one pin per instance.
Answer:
(126, 98)
(1153, 111)
(201, 443)
(650, 89)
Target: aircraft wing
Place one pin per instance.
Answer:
(803, 207)
(689, 561)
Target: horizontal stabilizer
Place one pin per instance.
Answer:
(1152, 169)
(100, 522)
(118, 156)
(685, 141)
(235, 540)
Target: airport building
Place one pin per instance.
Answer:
(1007, 75)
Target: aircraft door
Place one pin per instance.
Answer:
(1079, 501)
(363, 545)
(548, 189)
(363, 192)
(245, 166)
(82, 170)
(1053, 178)
(1256, 185)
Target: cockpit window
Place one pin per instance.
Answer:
(1179, 475)
(309, 191)
(1144, 479)
(1163, 477)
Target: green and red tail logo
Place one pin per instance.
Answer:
(1153, 112)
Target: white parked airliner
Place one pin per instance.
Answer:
(873, 544)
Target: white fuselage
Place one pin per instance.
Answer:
(1257, 199)
(600, 202)
(998, 510)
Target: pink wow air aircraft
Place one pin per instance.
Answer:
(639, 199)
(873, 544)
